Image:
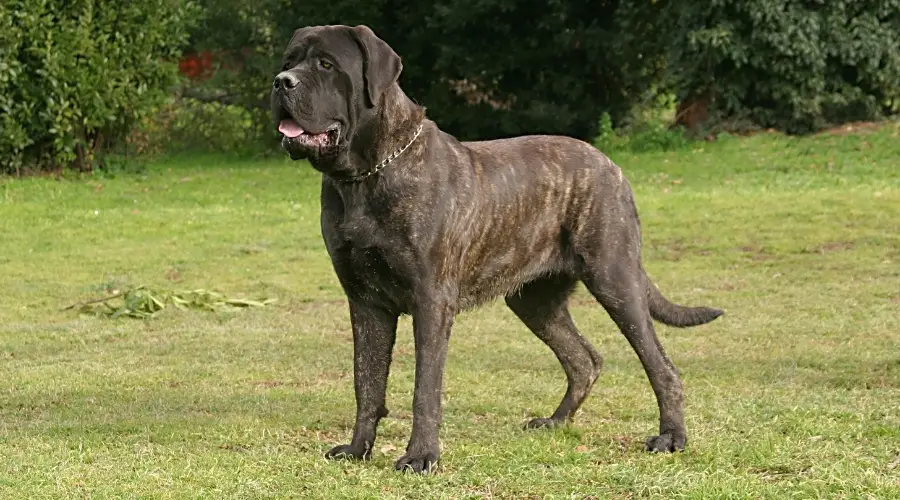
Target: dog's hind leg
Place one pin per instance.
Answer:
(606, 244)
(543, 306)
(618, 282)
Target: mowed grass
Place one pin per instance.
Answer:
(795, 393)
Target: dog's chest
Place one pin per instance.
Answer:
(364, 232)
(378, 259)
(380, 278)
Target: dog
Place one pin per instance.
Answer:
(417, 222)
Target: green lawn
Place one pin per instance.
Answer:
(795, 393)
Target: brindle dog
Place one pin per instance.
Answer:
(417, 222)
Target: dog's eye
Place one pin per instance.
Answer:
(325, 64)
(286, 66)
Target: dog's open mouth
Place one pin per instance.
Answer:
(292, 132)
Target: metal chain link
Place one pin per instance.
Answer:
(391, 157)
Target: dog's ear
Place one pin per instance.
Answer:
(381, 65)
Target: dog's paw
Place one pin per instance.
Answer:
(665, 443)
(420, 463)
(541, 423)
(349, 452)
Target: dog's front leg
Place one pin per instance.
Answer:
(432, 322)
(374, 332)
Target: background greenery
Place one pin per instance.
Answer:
(85, 83)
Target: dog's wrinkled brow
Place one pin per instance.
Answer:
(295, 50)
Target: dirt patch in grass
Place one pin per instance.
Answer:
(831, 247)
(854, 128)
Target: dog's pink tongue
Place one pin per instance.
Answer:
(289, 128)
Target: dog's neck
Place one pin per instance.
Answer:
(399, 118)
(382, 132)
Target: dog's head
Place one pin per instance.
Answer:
(331, 79)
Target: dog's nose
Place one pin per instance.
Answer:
(285, 80)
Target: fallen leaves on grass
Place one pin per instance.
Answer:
(143, 303)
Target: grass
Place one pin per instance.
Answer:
(795, 393)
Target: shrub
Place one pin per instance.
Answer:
(793, 65)
(188, 125)
(75, 75)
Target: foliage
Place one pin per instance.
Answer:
(190, 125)
(793, 65)
(76, 75)
(144, 303)
(247, 40)
(651, 135)
(648, 128)
(506, 67)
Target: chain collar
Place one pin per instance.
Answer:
(383, 163)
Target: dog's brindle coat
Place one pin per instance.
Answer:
(449, 225)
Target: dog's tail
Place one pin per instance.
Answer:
(669, 313)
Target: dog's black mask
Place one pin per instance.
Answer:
(332, 78)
